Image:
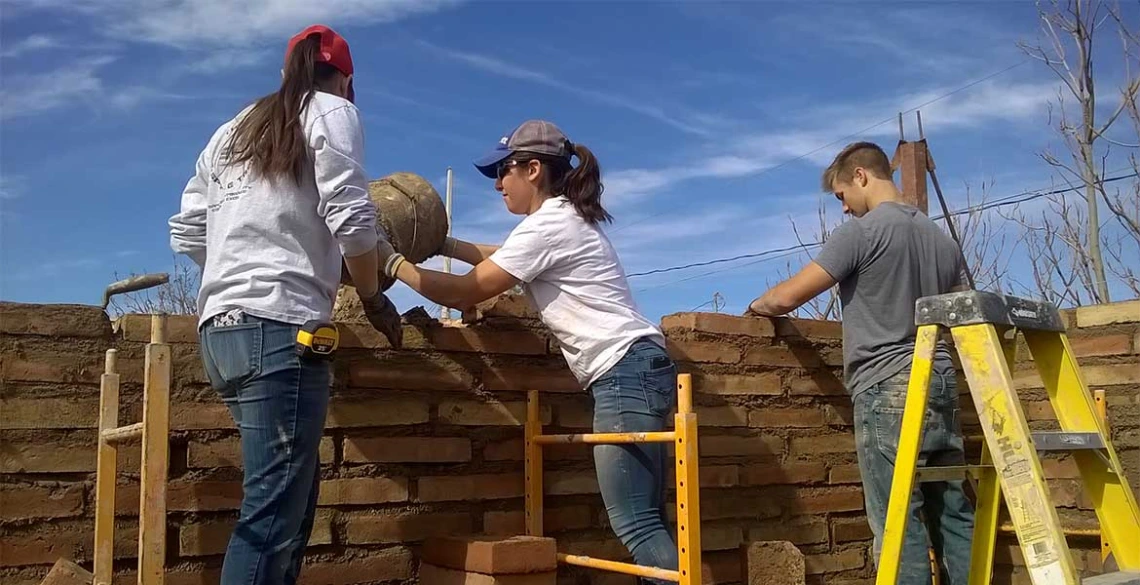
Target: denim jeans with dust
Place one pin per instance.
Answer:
(941, 515)
(278, 401)
(637, 395)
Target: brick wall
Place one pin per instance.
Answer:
(427, 440)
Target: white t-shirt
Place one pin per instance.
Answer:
(572, 275)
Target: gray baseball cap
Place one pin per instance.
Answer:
(532, 136)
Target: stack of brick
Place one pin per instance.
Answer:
(489, 560)
(427, 441)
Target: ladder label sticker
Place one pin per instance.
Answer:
(1051, 573)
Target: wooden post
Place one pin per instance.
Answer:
(533, 475)
(155, 456)
(106, 465)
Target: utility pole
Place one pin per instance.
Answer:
(445, 312)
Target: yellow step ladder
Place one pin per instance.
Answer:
(684, 438)
(978, 321)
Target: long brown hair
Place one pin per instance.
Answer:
(270, 136)
(581, 185)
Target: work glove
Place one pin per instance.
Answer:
(382, 314)
(385, 251)
(448, 248)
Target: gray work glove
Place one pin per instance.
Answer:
(382, 314)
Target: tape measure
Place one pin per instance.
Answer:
(317, 339)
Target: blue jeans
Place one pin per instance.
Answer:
(941, 516)
(637, 395)
(278, 401)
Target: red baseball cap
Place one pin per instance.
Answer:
(333, 50)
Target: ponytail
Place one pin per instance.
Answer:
(582, 185)
(270, 136)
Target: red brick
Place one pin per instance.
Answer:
(374, 529)
(376, 413)
(774, 562)
(65, 572)
(786, 417)
(201, 539)
(719, 323)
(470, 487)
(780, 356)
(41, 500)
(492, 555)
(787, 473)
(1060, 467)
(437, 575)
(407, 449)
(54, 320)
(834, 500)
(1119, 344)
(406, 372)
(850, 529)
(227, 453)
(717, 476)
(799, 530)
(809, 328)
(731, 446)
(72, 412)
(818, 383)
(392, 564)
(837, 443)
(193, 496)
(520, 378)
(722, 416)
(848, 473)
(363, 490)
(765, 384)
(512, 522)
(470, 413)
(702, 351)
(836, 561)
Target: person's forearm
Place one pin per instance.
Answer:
(470, 253)
(365, 272)
(768, 305)
(449, 290)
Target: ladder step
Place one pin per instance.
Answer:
(121, 434)
(1067, 441)
(1119, 578)
(948, 472)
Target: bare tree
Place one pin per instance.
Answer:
(179, 296)
(824, 307)
(1069, 29)
(984, 242)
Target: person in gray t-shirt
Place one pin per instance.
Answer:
(884, 259)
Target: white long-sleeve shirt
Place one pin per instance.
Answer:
(273, 248)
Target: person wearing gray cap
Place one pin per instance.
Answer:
(572, 275)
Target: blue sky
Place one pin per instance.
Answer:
(711, 120)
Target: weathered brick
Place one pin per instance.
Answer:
(565, 483)
(407, 449)
(1098, 345)
(471, 413)
(799, 530)
(470, 487)
(721, 537)
(842, 416)
(189, 496)
(42, 545)
(850, 529)
(430, 573)
(720, 323)
(512, 522)
(179, 328)
(722, 416)
(33, 456)
(227, 453)
(77, 369)
(73, 412)
(818, 383)
(781, 356)
(25, 501)
(836, 561)
(1094, 315)
(199, 539)
(787, 473)
(731, 446)
(718, 476)
(363, 491)
(406, 372)
(836, 443)
(391, 564)
(764, 384)
(576, 415)
(376, 413)
(200, 416)
(1104, 375)
(719, 568)
(54, 320)
(381, 529)
(786, 417)
(454, 338)
(492, 555)
(831, 500)
(702, 351)
(513, 450)
(65, 572)
(845, 474)
(774, 562)
(809, 328)
(520, 378)
(1060, 467)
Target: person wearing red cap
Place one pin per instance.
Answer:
(278, 201)
(572, 275)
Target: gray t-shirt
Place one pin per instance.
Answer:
(884, 262)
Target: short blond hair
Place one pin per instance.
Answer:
(866, 155)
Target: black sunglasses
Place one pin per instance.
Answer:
(504, 167)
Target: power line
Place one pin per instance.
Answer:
(854, 134)
(790, 250)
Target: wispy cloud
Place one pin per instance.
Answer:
(12, 186)
(24, 95)
(509, 70)
(30, 44)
